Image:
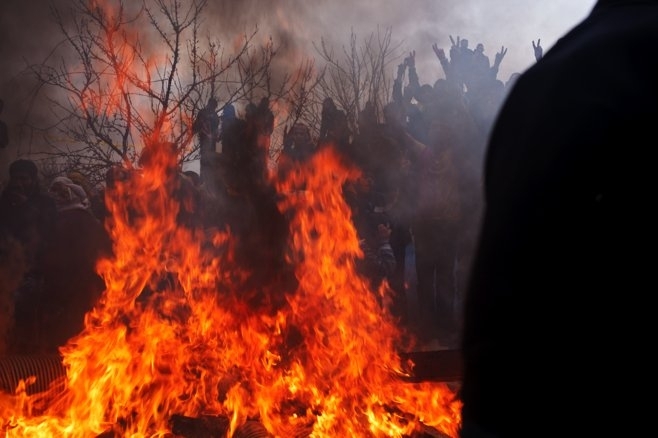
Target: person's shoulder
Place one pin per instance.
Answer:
(611, 25)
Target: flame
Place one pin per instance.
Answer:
(323, 364)
(177, 332)
(112, 83)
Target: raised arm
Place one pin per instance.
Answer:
(397, 83)
(539, 52)
(410, 61)
(497, 60)
(443, 59)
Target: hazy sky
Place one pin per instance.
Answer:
(27, 33)
(420, 23)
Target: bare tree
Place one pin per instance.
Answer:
(360, 74)
(137, 71)
(144, 69)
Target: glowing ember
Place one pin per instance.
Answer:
(322, 364)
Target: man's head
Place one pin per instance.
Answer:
(194, 177)
(328, 105)
(23, 177)
(394, 114)
(300, 134)
(229, 112)
(425, 95)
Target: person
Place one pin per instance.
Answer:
(557, 326)
(232, 135)
(71, 284)
(435, 229)
(460, 58)
(4, 131)
(264, 125)
(206, 126)
(27, 219)
(378, 264)
(97, 203)
(298, 145)
(334, 129)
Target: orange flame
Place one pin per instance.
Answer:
(112, 83)
(176, 334)
(325, 364)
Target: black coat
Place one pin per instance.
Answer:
(558, 290)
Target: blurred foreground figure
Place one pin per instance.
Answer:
(27, 219)
(71, 284)
(4, 134)
(556, 335)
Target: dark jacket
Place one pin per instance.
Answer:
(559, 285)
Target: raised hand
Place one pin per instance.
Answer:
(411, 59)
(500, 55)
(438, 51)
(539, 52)
(401, 69)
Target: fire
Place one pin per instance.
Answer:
(174, 335)
(178, 331)
(127, 66)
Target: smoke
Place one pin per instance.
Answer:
(416, 24)
(28, 34)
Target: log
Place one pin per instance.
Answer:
(207, 426)
(435, 366)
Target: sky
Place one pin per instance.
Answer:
(28, 33)
(513, 24)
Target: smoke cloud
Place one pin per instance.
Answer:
(28, 34)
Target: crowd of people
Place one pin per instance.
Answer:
(420, 162)
(419, 188)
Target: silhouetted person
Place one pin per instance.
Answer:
(435, 227)
(71, 284)
(498, 59)
(232, 137)
(298, 144)
(480, 60)
(484, 91)
(252, 161)
(97, 203)
(446, 65)
(378, 263)
(460, 58)
(27, 217)
(4, 131)
(558, 334)
(264, 126)
(417, 117)
(334, 130)
(258, 228)
(206, 126)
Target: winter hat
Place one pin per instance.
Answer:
(67, 195)
(23, 166)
